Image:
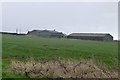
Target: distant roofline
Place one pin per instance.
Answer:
(45, 30)
(88, 33)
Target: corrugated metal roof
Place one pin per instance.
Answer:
(88, 34)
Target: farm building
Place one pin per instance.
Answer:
(46, 33)
(91, 36)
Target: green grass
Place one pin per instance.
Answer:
(0, 56)
(26, 47)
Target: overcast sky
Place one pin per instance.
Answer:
(68, 17)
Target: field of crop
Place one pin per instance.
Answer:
(25, 48)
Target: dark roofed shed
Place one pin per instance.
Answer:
(91, 36)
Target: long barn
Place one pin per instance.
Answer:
(91, 36)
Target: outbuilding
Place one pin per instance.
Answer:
(91, 36)
(46, 33)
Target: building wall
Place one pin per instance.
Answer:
(87, 38)
(44, 34)
(59, 35)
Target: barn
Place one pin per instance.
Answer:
(91, 36)
(46, 33)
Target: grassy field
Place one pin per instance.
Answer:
(0, 56)
(31, 47)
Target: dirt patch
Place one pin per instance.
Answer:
(61, 69)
